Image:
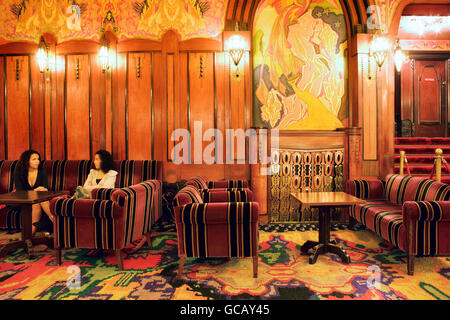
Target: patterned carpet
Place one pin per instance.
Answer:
(284, 273)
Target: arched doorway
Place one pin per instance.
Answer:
(421, 102)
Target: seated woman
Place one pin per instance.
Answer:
(103, 176)
(29, 175)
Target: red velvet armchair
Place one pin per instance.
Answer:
(216, 229)
(104, 224)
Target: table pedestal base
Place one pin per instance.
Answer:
(27, 244)
(28, 241)
(324, 245)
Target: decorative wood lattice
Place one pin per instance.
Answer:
(304, 171)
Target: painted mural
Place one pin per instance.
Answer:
(75, 19)
(299, 65)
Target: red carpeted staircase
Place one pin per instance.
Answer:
(420, 154)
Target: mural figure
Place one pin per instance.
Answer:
(299, 54)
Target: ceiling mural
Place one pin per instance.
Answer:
(75, 19)
(299, 52)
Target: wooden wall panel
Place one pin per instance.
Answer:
(180, 82)
(407, 95)
(201, 101)
(78, 109)
(170, 102)
(139, 107)
(98, 105)
(118, 129)
(37, 109)
(369, 115)
(57, 110)
(220, 77)
(236, 109)
(2, 108)
(159, 105)
(17, 105)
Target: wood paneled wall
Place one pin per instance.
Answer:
(131, 109)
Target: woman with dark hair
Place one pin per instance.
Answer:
(103, 176)
(29, 175)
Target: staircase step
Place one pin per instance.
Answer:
(423, 141)
(411, 150)
(419, 169)
(413, 159)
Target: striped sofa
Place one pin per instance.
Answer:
(116, 216)
(201, 183)
(412, 213)
(216, 224)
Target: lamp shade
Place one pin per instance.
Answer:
(42, 56)
(399, 57)
(379, 49)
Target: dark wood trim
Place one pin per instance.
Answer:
(188, 95)
(72, 47)
(215, 105)
(5, 105)
(43, 112)
(30, 134)
(65, 107)
(126, 105)
(200, 44)
(138, 45)
(90, 107)
(152, 106)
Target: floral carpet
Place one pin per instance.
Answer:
(377, 271)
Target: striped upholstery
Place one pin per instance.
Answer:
(431, 225)
(68, 174)
(422, 203)
(104, 224)
(228, 184)
(198, 181)
(382, 217)
(227, 195)
(367, 189)
(217, 229)
(201, 183)
(405, 188)
(132, 172)
(10, 218)
(189, 194)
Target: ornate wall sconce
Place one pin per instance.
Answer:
(379, 49)
(42, 58)
(104, 54)
(399, 56)
(236, 46)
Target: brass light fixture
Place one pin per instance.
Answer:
(104, 54)
(236, 45)
(399, 56)
(379, 49)
(42, 58)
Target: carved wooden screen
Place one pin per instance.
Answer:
(305, 171)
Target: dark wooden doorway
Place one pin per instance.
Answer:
(430, 107)
(424, 97)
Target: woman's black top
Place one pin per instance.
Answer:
(41, 181)
(98, 180)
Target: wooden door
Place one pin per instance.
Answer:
(430, 107)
